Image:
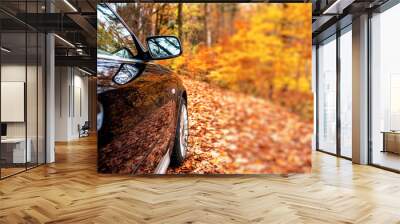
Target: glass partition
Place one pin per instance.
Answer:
(13, 94)
(22, 101)
(385, 89)
(346, 93)
(327, 95)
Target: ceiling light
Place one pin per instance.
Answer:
(5, 50)
(65, 41)
(80, 51)
(70, 5)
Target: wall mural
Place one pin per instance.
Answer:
(208, 88)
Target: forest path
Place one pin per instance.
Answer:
(230, 132)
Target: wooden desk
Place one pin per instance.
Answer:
(13, 150)
(391, 141)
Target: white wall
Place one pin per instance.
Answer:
(12, 73)
(80, 111)
(71, 102)
(33, 127)
(62, 81)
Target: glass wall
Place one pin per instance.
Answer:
(385, 89)
(327, 95)
(345, 92)
(13, 87)
(22, 90)
(334, 71)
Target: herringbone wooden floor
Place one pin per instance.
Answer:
(70, 191)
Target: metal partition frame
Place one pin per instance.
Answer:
(43, 55)
(387, 5)
(338, 34)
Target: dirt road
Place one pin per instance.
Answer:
(236, 133)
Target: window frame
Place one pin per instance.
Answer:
(334, 37)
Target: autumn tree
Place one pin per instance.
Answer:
(259, 49)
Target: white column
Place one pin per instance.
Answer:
(50, 99)
(360, 89)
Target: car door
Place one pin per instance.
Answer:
(139, 117)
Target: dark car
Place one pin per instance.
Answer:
(142, 106)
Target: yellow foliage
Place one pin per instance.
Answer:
(267, 55)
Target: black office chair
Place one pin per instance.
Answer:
(84, 130)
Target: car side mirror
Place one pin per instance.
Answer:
(163, 47)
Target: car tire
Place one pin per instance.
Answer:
(179, 151)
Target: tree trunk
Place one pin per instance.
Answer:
(222, 26)
(156, 25)
(140, 21)
(207, 33)
(179, 19)
(232, 14)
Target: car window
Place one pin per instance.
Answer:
(113, 38)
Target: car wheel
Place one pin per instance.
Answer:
(182, 134)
